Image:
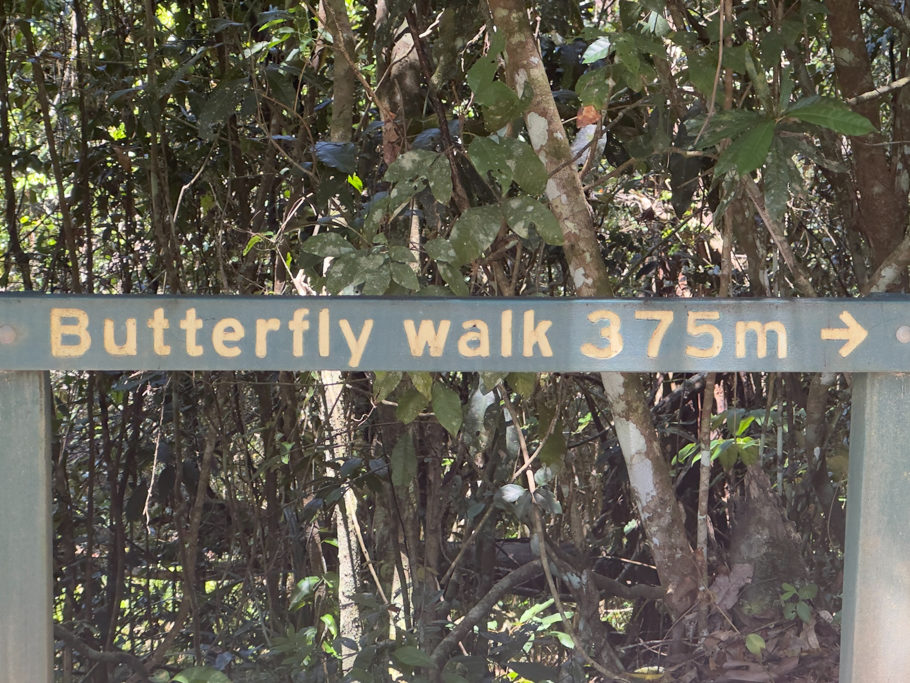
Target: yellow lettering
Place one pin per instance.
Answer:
(158, 324)
(191, 324)
(427, 336)
(127, 348)
(697, 329)
(663, 318)
(505, 341)
(227, 330)
(356, 344)
(263, 327)
(535, 335)
(609, 333)
(298, 326)
(324, 333)
(79, 329)
(743, 327)
(476, 341)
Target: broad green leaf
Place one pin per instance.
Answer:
(595, 86)
(534, 671)
(830, 113)
(755, 644)
(523, 211)
(405, 276)
(218, 106)
(508, 160)
(201, 674)
(749, 151)
(403, 462)
(447, 406)
(338, 155)
(281, 85)
(328, 245)
(565, 639)
(554, 448)
(474, 231)
(803, 611)
(776, 178)
(440, 250)
(423, 382)
(351, 270)
(412, 656)
(453, 278)
(384, 384)
(523, 383)
(410, 405)
(402, 254)
(726, 124)
(303, 591)
(439, 178)
(597, 50)
(510, 493)
(413, 164)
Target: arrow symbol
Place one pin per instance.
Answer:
(853, 334)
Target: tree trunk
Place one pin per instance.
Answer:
(649, 473)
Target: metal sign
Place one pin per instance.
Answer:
(869, 336)
(528, 334)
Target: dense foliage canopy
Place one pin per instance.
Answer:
(415, 526)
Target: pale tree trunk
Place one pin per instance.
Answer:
(649, 473)
(350, 626)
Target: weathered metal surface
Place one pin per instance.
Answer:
(876, 609)
(26, 644)
(527, 334)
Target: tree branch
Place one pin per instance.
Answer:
(112, 657)
(482, 609)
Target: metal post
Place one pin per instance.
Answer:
(26, 640)
(876, 610)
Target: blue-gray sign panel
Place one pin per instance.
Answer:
(527, 334)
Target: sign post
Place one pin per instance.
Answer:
(870, 337)
(26, 563)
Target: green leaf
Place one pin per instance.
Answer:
(439, 177)
(596, 86)
(413, 164)
(440, 250)
(454, 279)
(803, 611)
(776, 178)
(726, 124)
(410, 405)
(218, 106)
(328, 245)
(597, 50)
(403, 462)
(412, 656)
(535, 672)
(423, 382)
(303, 591)
(405, 276)
(384, 384)
(755, 644)
(508, 160)
(474, 232)
(447, 406)
(830, 113)
(253, 241)
(522, 212)
(554, 448)
(523, 383)
(338, 155)
(749, 151)
(565, 639)
(201, 674)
